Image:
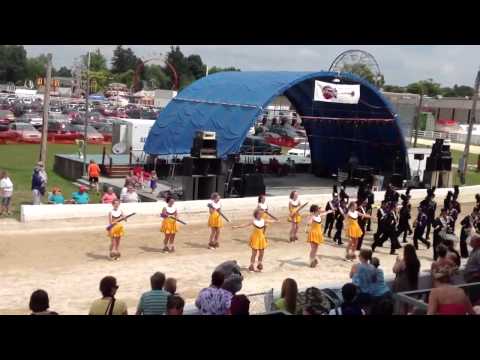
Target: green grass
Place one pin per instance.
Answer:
(19, 160)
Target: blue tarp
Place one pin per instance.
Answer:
(230, 102)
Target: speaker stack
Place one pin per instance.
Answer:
(204, 145)
(253, 185)
(439, 166)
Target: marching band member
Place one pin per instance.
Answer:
(117, 231)
(339, 217)
(331, 205)
(215, 221)
(469, 224)
(381, 215)
(295, 218)
(430, 207)
(440, 228)
(362, 221)
(258, 242)
(315, 232)
(353, 230)
(169, 224)
(390, 222)
(420, 224)
(403, 222)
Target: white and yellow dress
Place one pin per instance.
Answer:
(169, 225)
(353, 229)
(293, 206)
(258, 240)
(215, 219)
(118, 230)
(264, 208)
(315, 232)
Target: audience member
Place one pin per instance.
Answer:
(39, 303)
(56, 197)
(171, 286)
(233, 276)
(109, 196)
(452, 253)
(6, 192)
(288, 296)
(406, 270)
(349, 306)
(130, 196)
(379, 289)
(108, 304)
(442, 261)
(81, 196)
(446, 299)
(93, 171)
(382, 307)
(363, 274)
(175, 305)
(154, 302)
(472, 268)
(214, 300)
(38, 186)
(240, 305)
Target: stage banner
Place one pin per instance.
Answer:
(336, 93)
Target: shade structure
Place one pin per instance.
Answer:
(230, 102)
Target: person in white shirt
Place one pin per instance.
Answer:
(169, 224)
(130, 196)
(6, 192)
(354, 231)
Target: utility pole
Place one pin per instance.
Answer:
(417, 119)
(46, 107)
(472, 119)
(87, 94)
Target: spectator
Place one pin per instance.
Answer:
(131, 195)
(93, 171)
(214, 300)
(81, 196)
(472, 268)
(39, 303)
(446, 299)
(288, 296)
(233, 276)
(406, 270)
(442, 261)
(6, 192)
(240, 305)
(154, 302)
(171, 286)
(382, 307)
(452, 253)
(153, 181)
(175, 305)
(349, 306)
(379, 289)
(309, 310)
(109, 196)
(108, 305)
(363, 274)
(38, 186)
(43, 174)
(56, 197)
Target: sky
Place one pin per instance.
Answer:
(400, 64)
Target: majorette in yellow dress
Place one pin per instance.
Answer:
(169, 225)
(257, 239)
(118, 230)
(264, 209)
(215, 220)
(315, 233)
(294, 205)
(353, 229)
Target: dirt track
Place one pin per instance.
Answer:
(70, 264)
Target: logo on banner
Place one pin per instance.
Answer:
(338, 93)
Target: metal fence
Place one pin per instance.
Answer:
(453, 137)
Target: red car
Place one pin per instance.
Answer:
(62, 132)
(25, 132)
(6, 117)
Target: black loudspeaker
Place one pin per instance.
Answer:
(188, 166)
(396, 180)
(419, 156)
(253, 185)
(199, 166)
(431, 164)
(445, 163)
(206, 186)
(445, 148)
(220, 188)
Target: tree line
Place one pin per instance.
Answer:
(16, 67)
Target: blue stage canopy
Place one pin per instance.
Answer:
(230, 102)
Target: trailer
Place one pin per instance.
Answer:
(130, 134)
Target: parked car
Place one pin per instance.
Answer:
(92, 134)
(62, 132)
(106, 130)
(6, 117)
(302, 149)
(35, 119)
(57, 117)
(255, 145)
(25, 132)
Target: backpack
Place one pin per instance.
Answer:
(314, 298)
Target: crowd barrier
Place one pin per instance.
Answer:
(196, 211)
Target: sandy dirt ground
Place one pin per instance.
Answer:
(69, 262)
